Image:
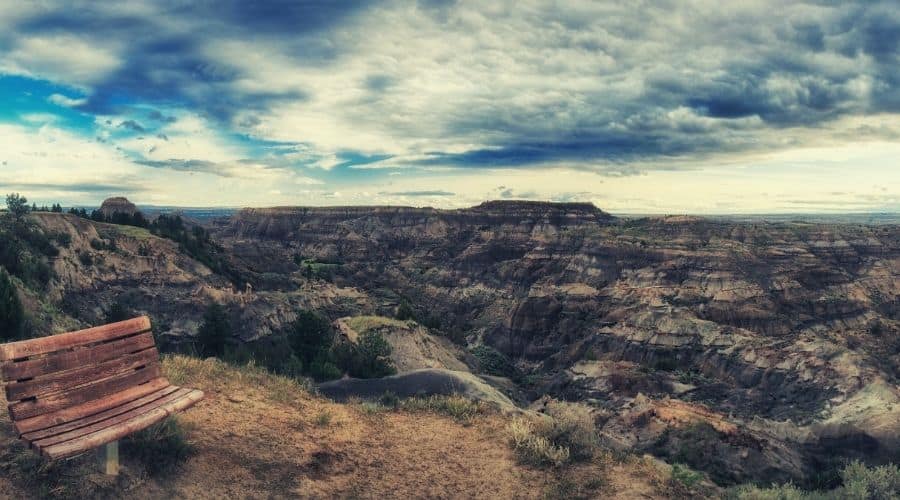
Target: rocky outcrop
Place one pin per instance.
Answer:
(413, 347)
(118, 204)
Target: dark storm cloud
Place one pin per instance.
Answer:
(578, 82)
(168, 66)
(78, 187)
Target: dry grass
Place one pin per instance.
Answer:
(528, 438)
(362, 324)
(186, 370)
(459, 408)
(257, 435)
(565, 434)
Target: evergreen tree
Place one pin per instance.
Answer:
(17, 205)
(12, 315)
(373, 353)
(404, 311)
(310, 336)
(215, 331)
(117, 312)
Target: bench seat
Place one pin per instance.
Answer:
(77, 391)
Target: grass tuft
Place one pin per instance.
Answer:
(565, 434)
(160, 448)
(459, 408)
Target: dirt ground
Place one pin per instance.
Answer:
(257, 436)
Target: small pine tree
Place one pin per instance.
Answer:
(12, 315)
(117, 312)
(215, 331)
(310, 336)
(404, 311)
(373, 359)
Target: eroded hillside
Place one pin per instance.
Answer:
(749, 351)
(776, 345)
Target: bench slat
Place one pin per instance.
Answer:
(97, 417)
(83, 394)
(89, 408)
(75, 359)
(62, 381)
(110, 422)
(44, 345)
(109, 434)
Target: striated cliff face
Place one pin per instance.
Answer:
(791, 322)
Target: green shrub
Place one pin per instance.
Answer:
(214, 333)
(17, 205)
(859, 483)
(390, 400)
(86, 258)
(494, 362)
(62, 239)
(160, 447)
(404, 311)
(324, 418)
(323, 369)
(685, 476)
(118, 312)
(23, 252)
(369, 358)
(12, 315)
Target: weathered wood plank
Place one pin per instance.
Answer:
(110, 422)
(44, 345)
(75, 359)
(109, 434)
(97, 417)
(83, 394)
(66, 380)
(89, 408)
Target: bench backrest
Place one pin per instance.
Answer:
(48, 374)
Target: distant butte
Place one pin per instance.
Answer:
(118, 204)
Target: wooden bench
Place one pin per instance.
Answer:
(73, 392)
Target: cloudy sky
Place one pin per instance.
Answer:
(669, 106)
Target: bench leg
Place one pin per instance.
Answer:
(109, 459)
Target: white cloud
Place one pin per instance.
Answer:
(61, 100)
(64, 59)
